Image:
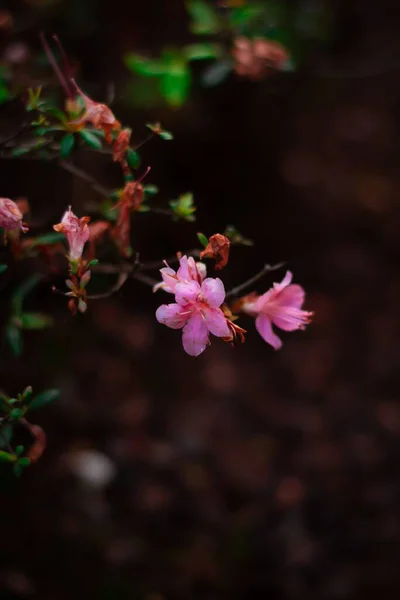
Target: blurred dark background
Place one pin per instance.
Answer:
(245, 473)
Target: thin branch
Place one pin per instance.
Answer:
(158, 264)
(145, 279)
(94, 184)
(147, 139)
(264, 271)
(24, 127)
(122, 277)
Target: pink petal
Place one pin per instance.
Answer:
(213, 291)
(186, 291)
(284, 283)
(172, 315)
(289, 318)
(195, 336)
(183, 271)
(293, 296)
(169, 278)
(264, 328)
(216, 322)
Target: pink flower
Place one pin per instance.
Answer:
(198, 311)
(76, 231)
(188, 270)
(280, 306)
(11, 216)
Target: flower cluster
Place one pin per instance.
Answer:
(199, 307)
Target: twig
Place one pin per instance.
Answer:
(264, 271)
(157, 264)
(122, 277)
(24, 127)
(96, 185)
(145, 279)
(147, 139)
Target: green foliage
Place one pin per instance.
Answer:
(202, 51)
(132, 158)
(158, 130)
(14, 339)
(236, 237)
(53, 237)
(144, 66)
(30, 320)
(91, 139)
(44, 398)
(67, 145)
(3, 268)
(184, 207)
(202, 239)
(204, 18)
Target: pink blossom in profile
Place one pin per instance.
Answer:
(188, 270)
(197, 310)
(76, 231)
(280, 306)
(11, 216)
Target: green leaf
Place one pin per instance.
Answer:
(67, 145)
(202, 239)
(24, 461)
(243, 15)
(3, 268)
(18, 470)
(16, 413)
(175, 84)
(132, 158)
(150, 189)
(47, 239)
(236, 237)
(19, 450)
(6, 433)
(6, 457)
(184, 207)
(166, 135)
(144, 66)
(16, 152)
(91, 139)
(31, 320)
(26, 394)
(14, 339)
(44, 398)
(4, 93)
(204, 17)
(204, 51)
(23, 290)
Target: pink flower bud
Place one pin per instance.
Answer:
(76, 231)
(11, 216)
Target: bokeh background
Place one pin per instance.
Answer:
(245, 473)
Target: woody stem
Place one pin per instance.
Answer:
(94, 184)
(264, 271)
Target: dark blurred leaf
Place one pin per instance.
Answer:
(30, 320)
(217, 72)
(204, 17)
(67, 145)
(19, 151)
(151, 189)
(44, 398)
(47, 239)
(6, 457)
(23, 290)
(14, 339)
(202, 239)
(91, 139)
(242, 15)
(3, 268)
(6, 433)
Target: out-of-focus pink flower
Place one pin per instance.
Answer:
(197, 310)
(76, 231)
(188, 270)
(280, 306)
(11, 216)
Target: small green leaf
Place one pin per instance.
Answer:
(144, 66)
(143, 208)
(23, 290)
(204, 51)
(202, 239)
(27, 394)
(18, 469)
(93, 262)
(204, 17)
(3, 268)
(166, 135)
(14, 339)
(184, 207)
(150, 189)
(44, 398)
(242, 15)
(82, 306)
(67, 145)
(133, 158)
(30, 320)
(24, 461)
(7, 457)
(91, 139)
(236, 237)
(19, 450)
(16, 413)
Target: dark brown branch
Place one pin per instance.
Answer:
(122, 277)
(264, 271)
(94, 184)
